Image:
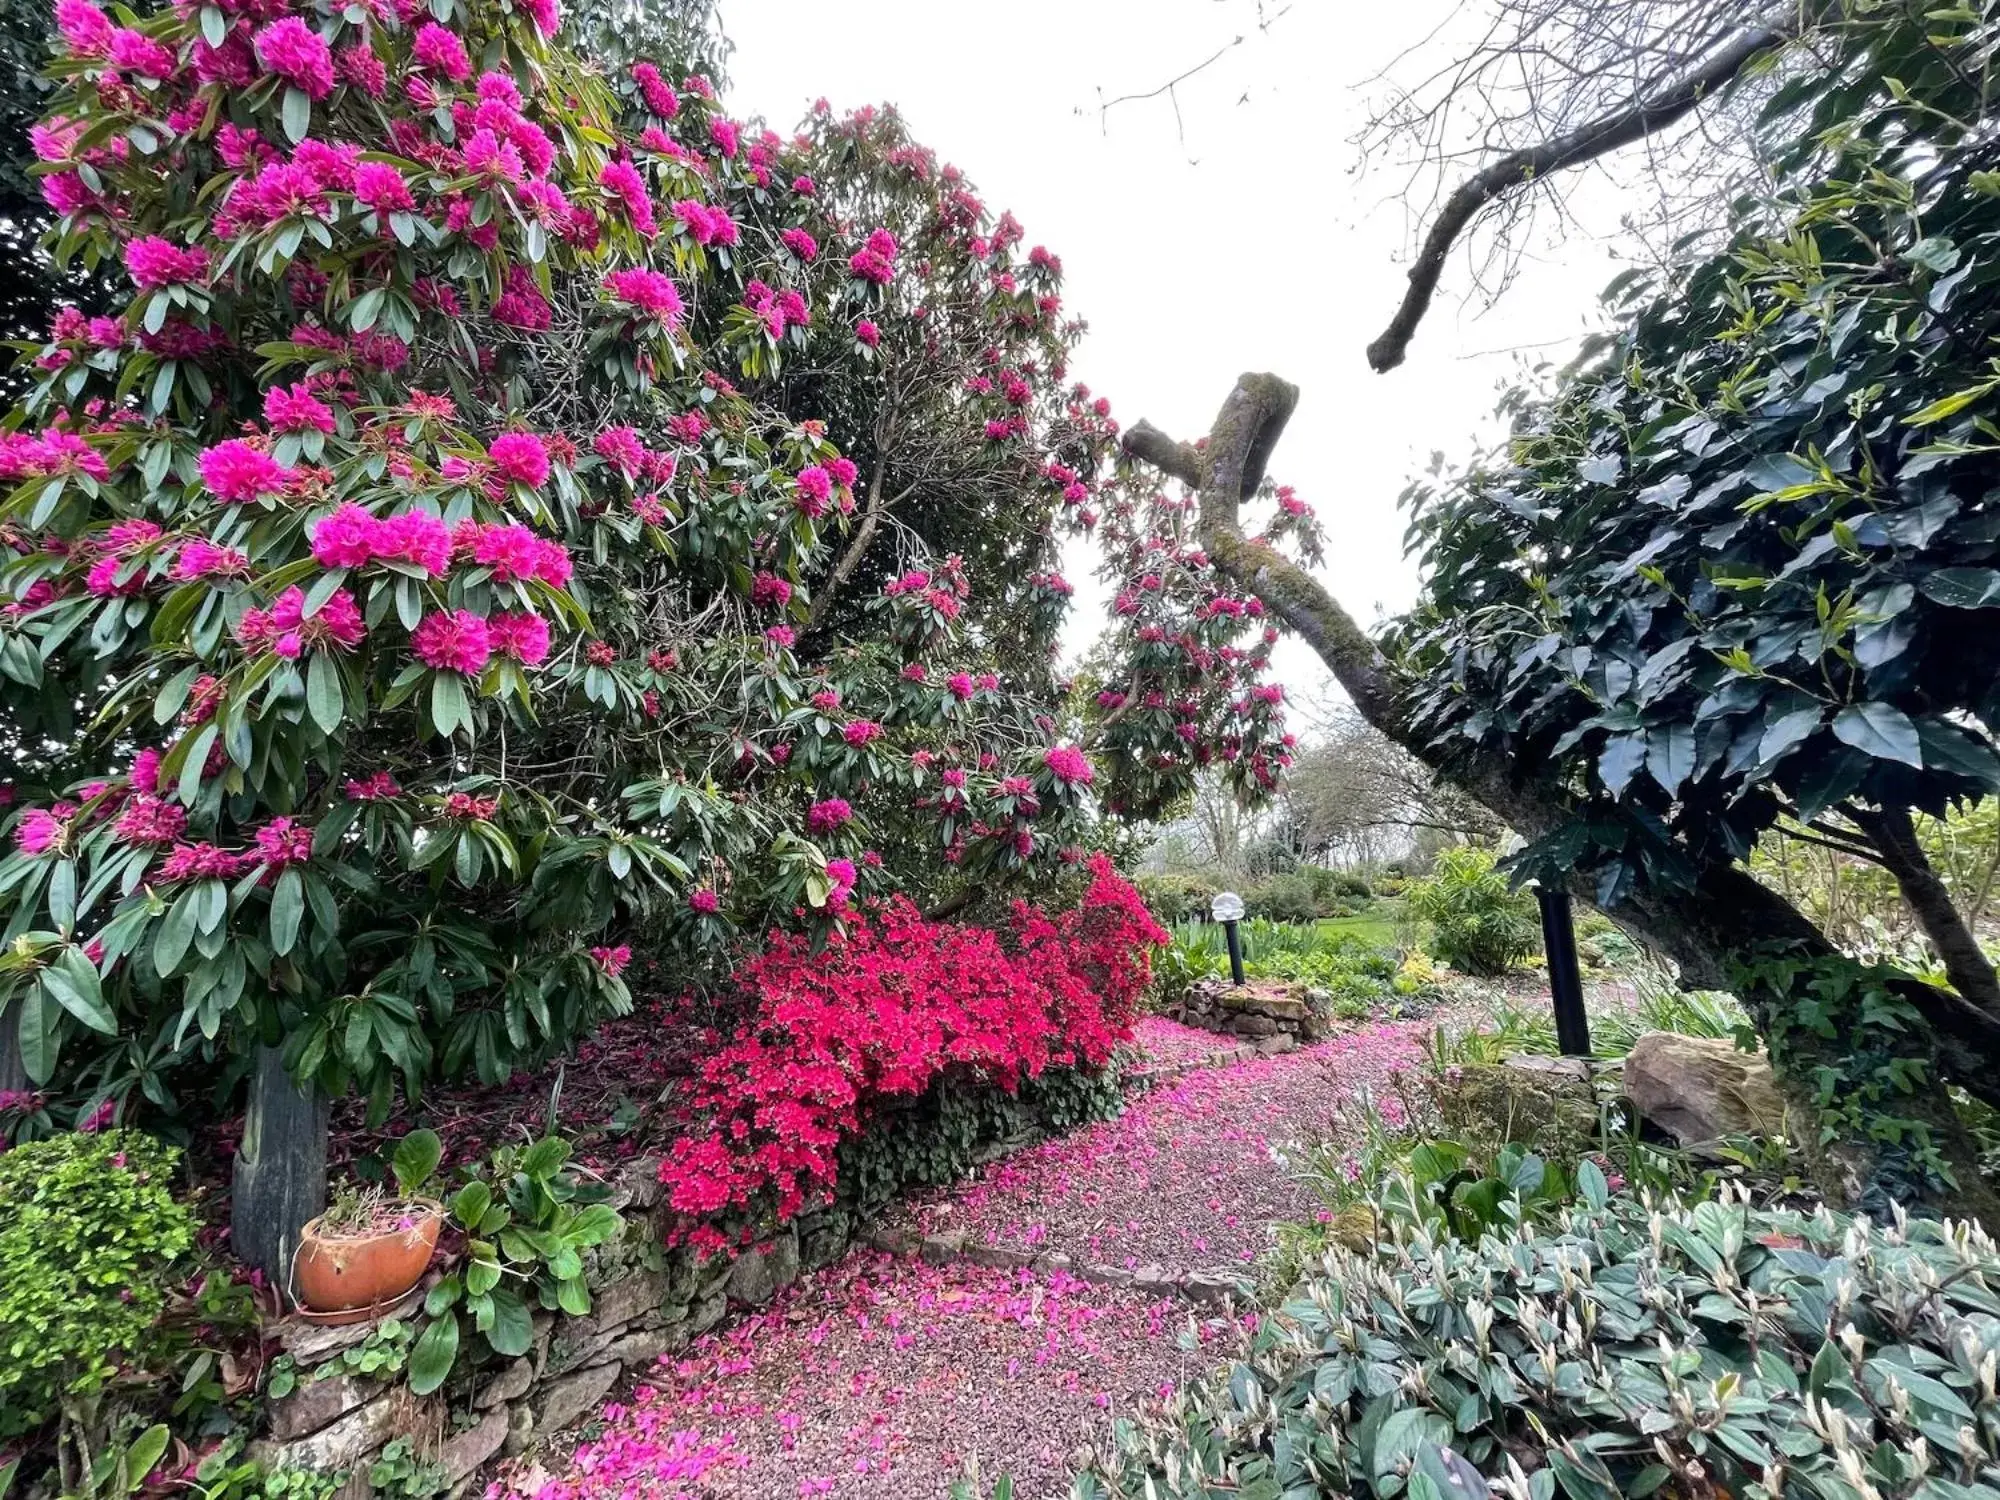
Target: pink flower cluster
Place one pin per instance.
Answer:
(154, 263)
(286, 630)
(236, 470)
(651, 292)
(876, 259)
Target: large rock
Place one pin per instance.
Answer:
(1699, 1089)
(465, 1451)
(316, 1404)
(763, 1271)
(563, 1401)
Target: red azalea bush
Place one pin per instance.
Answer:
(891, 1005)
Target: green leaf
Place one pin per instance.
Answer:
(144, 1454)
(72, 983)
(1590, 1184)
(1880, 730)
(469, 1205)
(288, 905)
(513, 1329)
(448, 705)
(325, 699)
(1962, 588)
(297, 115)
(1670, 755)
(1620, 762)
(36, 1034)
(572, 1296)
(595, 1225)
(433, 1355)
(416, 1157)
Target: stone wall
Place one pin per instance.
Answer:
(1273, 1015)
(645, 1302)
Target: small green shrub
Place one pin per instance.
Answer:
(1284, 898)
(1478, 924)
(90, 1242)
(1628, 1350)
(1176, 898)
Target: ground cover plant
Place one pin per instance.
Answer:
(1627, 1348)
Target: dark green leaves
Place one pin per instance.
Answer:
(1963, 588)
(1882, 731)
(435, 1352)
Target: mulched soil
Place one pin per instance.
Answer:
(887, 1379)
(1191, 1175)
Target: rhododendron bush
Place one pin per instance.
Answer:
(892, 1005)
(520, 511)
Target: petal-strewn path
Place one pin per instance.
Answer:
(885, 1378)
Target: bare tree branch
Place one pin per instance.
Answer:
(1645, 115)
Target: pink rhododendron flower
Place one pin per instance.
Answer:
(86, 28)
(237, 471)
(868, 333)
(380, 187)
(147, 820)
(521, 635)
(296, 53)
(826, 816)
(656, 91)
(438, 50)
(813, 487)
(612, 960)
(282, 841)
(135, 52)
(705, 901)
(154, 263)
(296, 410)
(859, 732)
(652, 292)
(40, 830)
(1068, 764)
(202, 862)
(800, 243)
(621, 447)
(520, 458)
(452, 642)
(380, 787)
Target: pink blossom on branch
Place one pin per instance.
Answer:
(457, 641)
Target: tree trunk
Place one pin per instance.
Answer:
(280, 1177)
(1895, 838)
(1711, 929)
(13, 1072)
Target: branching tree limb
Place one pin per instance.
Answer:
(1643, 116)
(1705, 926)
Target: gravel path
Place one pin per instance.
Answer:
(886, 1379)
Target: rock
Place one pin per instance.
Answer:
(644, 1346)
(1215, 1285)
(708, 1312)
(512, 1381)
(316, 1404)
(1153, 1281)
(1273, 1006)
(895, 1241)
(943, 1249)
(464, 1452)
(577, 1343)
(763, 1271)
(357, 1486)
(638, 1184)
(313, 1344)
(345, 1442)
(712, 1275)
(520, 1431)
(1253, 1025)
(1556, 1067)
(1105, 1276)
(824, 1237)
(1699, 1089)
(544, 1327)
(627, 1298)
(1492, 1102)
(1274, 1046)
(999, 1257)
(1049, 1261)
(564, 1400)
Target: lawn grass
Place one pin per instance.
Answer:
(1375, 926)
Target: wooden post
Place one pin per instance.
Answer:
(280, 1178)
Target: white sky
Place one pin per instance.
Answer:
(1265, 251)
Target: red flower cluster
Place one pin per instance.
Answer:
(891, 1005)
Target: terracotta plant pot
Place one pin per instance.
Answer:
(340, 1273)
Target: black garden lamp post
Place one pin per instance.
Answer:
(1565, 978)
(1228, 910)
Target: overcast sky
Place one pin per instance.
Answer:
(1244, 239)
